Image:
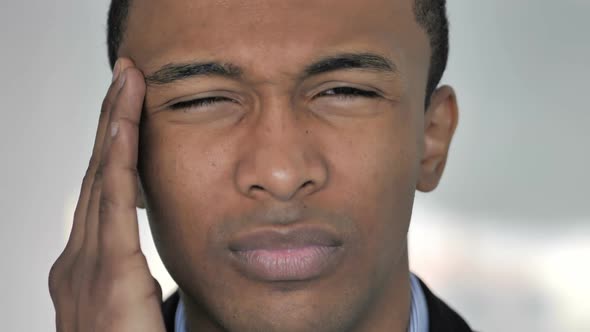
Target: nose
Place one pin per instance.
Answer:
(279, 159)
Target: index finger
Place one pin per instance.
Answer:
(118, 229)
(79, 223)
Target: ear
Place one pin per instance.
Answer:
(440, 122)
(140, 200)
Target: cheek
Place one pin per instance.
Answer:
(182, 175)
(377, 185)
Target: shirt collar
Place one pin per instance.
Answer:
(419, 309)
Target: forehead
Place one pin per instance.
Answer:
(263, 33)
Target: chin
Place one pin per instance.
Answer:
(288, 318)
(322, 306)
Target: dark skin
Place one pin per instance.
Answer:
(279, 146)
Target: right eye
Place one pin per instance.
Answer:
(200, 103)
(346, 92)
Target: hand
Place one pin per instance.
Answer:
(101, 281)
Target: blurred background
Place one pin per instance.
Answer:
(505, 239)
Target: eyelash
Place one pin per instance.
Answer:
(200, 102)
(344, 92)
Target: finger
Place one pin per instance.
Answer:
(78, 225)
(118, 229)
(88, 224)
(158, 289)
(63, 271)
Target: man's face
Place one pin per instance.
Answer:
(282, 201)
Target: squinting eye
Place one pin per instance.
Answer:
(347, 92)
(200, 102)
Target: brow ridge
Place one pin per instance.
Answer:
(343, 61)
(173, 72)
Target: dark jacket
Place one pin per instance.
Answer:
(441, 317)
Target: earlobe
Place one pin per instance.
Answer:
(440, 122)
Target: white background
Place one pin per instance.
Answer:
(505, 239)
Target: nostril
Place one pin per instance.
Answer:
(256, 188)
(307, 183)
(307, 187)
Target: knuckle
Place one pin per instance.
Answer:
(93, 163)
(121, 278)
(106, 164)
(55, 278)
(131, 170)
(107, 204)
(89, 176)
(96, 184)
(98, 174)
(112, 169)
(129, 121)
(107, 104)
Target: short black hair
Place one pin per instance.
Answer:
(430, 14)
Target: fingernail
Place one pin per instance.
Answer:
(116, 71)
(114, 128)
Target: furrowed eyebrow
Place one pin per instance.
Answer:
(368, 61)
(175, 72)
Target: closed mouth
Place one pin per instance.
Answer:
(288, 255)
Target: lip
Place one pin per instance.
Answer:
(286, 255)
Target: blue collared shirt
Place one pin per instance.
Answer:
(418, 310)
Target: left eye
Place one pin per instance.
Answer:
(200, 102)
(347, 92)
